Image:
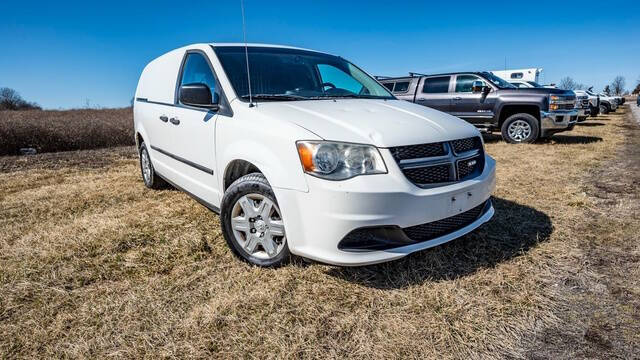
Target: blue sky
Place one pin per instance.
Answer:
(63, 54)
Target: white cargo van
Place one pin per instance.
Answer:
(315, 158)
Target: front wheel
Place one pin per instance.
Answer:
(252, 222)
(604, 109)
(520, 129)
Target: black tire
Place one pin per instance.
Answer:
(254, 183)
(153, 181)
(530, 120)
(604, 109)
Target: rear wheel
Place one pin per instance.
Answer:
(252, 222)
(149, 176)
(520, 128)
(604, 109)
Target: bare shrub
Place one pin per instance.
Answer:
(53, 130)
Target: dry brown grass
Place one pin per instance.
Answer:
(94, 265)
(63, 130)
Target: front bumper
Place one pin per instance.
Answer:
(316, 221)
(557, 121)
(583, 113)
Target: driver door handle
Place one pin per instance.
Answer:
(175, 121)
(457, 98)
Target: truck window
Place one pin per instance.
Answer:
(464, 83)
(517, 75)
(196, 70)
(401, 87)
(389, 85)
(436, 85)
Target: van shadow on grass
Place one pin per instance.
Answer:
(513, 230)
(590, 124)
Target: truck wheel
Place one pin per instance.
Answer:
(149, 176)
(252, 222)
(520, 128)
(604, 109)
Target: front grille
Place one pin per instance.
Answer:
(438, 228)
(443, 162)
(467, 167)
(418, 151)
(567, 106)
(468, 144)
(430, 175)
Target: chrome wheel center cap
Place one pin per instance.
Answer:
(260, 226)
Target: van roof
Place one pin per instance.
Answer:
(220, 44)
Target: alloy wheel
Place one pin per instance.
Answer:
(519, 130)
(146, 166)
(257, 226)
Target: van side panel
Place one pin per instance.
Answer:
(158, 80)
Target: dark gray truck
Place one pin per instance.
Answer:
(522, 115)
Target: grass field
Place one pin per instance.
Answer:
(94, 265)
(62, 130)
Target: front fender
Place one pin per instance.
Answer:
(282, 171)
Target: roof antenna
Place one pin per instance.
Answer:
(246, 52)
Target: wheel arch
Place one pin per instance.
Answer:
(508, 110)
(236, 169)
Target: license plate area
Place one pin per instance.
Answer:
(460, 202)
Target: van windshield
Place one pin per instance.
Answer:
(281, 74)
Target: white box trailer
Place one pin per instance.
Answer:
(532, 74)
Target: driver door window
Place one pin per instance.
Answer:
(333, 77)
(464, 83)
(197, 70)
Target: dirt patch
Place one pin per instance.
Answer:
(601, 296)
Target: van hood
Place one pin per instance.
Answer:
(383, 123)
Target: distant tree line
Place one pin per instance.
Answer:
(11, 100)
(636, 91)
(615, 88)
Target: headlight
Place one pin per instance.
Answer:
(339, 161)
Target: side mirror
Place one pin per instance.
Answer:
(479, 86)
(198, 94)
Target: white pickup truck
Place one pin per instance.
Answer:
(309, 155)
(607, 103)
(582, 105)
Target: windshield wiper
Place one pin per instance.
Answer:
(274, 97)
(357, 96)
